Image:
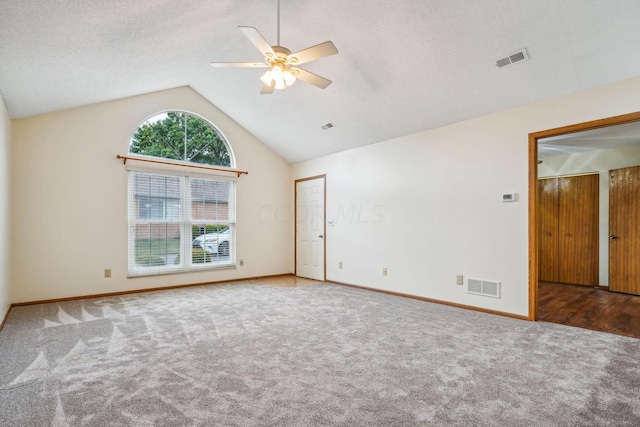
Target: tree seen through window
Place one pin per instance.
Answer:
(180, 136)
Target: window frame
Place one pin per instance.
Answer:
(185, 219)
(223, 137)
(184, 223)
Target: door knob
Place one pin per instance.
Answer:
(321, 236)
(568, 235)
(548, 234)
(613, 236)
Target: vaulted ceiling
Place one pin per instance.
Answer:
(404, 65)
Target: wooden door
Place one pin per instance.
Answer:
(578, 229)
(310, 229)
(548, 230)
(624, 230)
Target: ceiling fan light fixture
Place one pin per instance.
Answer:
(289, 77)
(277, 71)
(280, 85)
(266, 78)
(279, 76)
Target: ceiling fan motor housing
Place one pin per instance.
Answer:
(281, 56)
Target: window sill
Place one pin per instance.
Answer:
(156, 272)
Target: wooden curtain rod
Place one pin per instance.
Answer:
(125, 158)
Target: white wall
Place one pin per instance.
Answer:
(601, 161)
(427, 206)
(70, 199)
(5, 206)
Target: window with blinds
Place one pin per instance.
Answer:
(180, 223)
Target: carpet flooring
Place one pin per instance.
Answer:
(262, 354)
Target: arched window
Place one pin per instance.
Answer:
(180, 219)
(177, 135)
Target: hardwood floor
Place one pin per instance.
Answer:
(288, 281)
(590, 308)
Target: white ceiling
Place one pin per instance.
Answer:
(590, 140)
(404, 65)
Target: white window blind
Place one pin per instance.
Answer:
(180, 223)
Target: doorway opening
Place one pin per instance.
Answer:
(597, 147)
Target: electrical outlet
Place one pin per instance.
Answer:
(340, 265)
(384, 271)
(241, 263)
(107, 272)
(459, 280)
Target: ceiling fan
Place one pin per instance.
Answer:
(283, 65)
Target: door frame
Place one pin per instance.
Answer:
(533, 191)
(295, 224)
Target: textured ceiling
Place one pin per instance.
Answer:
(404, 66)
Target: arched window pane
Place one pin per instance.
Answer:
(180, 136)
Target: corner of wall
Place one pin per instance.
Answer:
(5, 210)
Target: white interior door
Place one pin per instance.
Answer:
(310, 228)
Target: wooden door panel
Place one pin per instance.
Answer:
(578, 229)
(624, 224)
(548, 230)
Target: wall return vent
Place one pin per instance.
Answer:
(512, 58)
(483, 287)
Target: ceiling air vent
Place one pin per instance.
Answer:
(487, 288)
(512, 58)
(328, 126)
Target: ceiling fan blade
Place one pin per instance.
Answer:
(256, 38)
(268, 89)
(238, 64)
(314, 52)
(311, 78)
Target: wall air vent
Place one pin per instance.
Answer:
(487, 288)
(512, 58)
